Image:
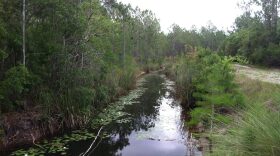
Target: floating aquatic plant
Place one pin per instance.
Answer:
(113, 113)
(57, 145)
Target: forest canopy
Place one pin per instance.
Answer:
(51, 50)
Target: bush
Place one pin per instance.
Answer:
(206, 80)
(272, 55)
(238, 59)
(16, 83)
(127, 78)
(215, 88)
(184, 73)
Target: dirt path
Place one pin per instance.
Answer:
(270, 75)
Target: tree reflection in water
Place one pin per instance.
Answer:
(156, 127)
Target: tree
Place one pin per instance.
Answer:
(270, 13)
(256, 35)
(215, 89)
(23, 31)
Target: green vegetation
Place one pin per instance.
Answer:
(182, 41)
(113, 113)
(215, 89)
(256, 34)
(206, 83)
(72, 58)
(244, 121)
(67, 60)
(57, 145)
(238, 59)
(255, 130)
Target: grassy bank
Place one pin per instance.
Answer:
(47, 120)
(245, 114)
(256, 128)
(70, 108)
(205, 83)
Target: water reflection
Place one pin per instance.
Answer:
(157, 127)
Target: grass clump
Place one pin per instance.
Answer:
(257, 129)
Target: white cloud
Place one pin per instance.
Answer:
(186, 13)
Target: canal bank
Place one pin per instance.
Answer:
(152, 123)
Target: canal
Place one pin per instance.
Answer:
(155, 126)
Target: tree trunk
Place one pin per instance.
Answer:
(138, 42)
(274, 19)
(113, 42)
(124, 44)
(82, 62)
(270, 11)
(212, 118)
(23, 33)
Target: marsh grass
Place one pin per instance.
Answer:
(113, 113)
(256, 129)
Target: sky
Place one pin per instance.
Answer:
(187, 13)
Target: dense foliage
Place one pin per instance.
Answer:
(72, 57)
(68, 59)
(256, 34)
(182, 41)
(205, 81)
(215, 88)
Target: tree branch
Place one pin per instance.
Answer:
(90, 147)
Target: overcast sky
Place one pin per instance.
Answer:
(186, 13)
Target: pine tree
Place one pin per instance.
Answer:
(215, 89)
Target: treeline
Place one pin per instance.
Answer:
(72, 57)
(62, 62)
(182, 41)
(256, 34)
(238, 114)
(53, 50)
(67, 59)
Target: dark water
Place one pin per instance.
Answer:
(157, 127)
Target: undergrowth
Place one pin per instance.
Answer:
(256, 129)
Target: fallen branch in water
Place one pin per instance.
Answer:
(33, 141)
(95, 146)
(90, 147)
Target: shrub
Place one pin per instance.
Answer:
(272, 55)
(185, 72)
(238, 59)
(16, 83)
(207, 80)
(215, 88)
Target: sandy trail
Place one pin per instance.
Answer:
(269, 75)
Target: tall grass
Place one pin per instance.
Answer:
(83, 92)
(183, 72)
(256, 132)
